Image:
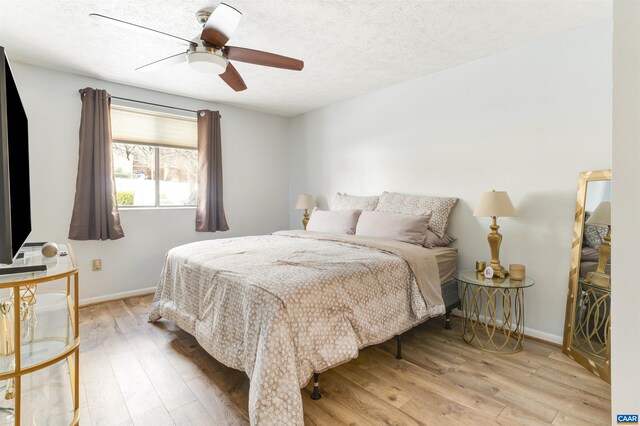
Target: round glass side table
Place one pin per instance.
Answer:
(493, 311)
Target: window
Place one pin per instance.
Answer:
(155, 160)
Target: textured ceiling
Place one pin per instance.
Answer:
(349, 47)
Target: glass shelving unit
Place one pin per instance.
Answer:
(39, 378)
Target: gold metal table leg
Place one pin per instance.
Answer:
(593, 322)
(493, 318)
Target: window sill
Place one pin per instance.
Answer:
(134, 209)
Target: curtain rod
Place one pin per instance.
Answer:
(148, 103)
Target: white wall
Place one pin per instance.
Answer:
(598, 191)
(255, 162)
(525, 121)
(625, 317)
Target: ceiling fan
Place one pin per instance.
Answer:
(209, 52)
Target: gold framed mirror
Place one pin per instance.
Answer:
(587, 320)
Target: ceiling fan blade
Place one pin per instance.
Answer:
(164, 62)
(129, 25)
(266, 59)
(221, 25)
(233, 79)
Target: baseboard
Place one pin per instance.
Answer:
(117, 296)
(530, 333)
(542, 336)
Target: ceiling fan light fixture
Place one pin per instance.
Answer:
(206, 60)
(226, 19)
(208, 51)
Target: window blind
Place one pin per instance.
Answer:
(133, 125)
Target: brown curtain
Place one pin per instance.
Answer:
(95, 210)
(210, 211)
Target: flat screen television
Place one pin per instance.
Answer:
(15, 197)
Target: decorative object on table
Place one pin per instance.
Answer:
(480, 265)
(24, 310)
(49, 249)
(10, 390)
(516, 271)
(6, 333)
(601, 217)
(26, 320)
(305, 202)
(489, 272)
(495, 204)
(28, 293)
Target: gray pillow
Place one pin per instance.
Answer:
(330, 222)
(432, 240)
(440, 207)
(589, 254)
(353, 202)
(402, 227)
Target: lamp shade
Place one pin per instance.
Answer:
(495, 203)
(305, 201)
(601, 216)
(224, 19)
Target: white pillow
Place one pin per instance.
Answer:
(402, 227)
(330, 222)
(440, 208)
(353, 202)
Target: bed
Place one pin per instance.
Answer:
(282, 307)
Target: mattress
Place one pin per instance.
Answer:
(447, 259)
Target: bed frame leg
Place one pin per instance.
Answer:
(447, 321)
(315, 394)
(398, 348)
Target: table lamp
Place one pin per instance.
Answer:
(306, 202)
(494, 204)
(601, 217)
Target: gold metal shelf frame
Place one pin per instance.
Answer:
(64, 269)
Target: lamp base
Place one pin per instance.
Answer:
(495, 238)
(499, 270)
(604, 252)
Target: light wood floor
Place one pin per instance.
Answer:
(133, 372)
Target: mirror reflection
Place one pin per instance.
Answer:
(589, 304)
(591, 330)
(595, 259)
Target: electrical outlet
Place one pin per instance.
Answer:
(97, 264)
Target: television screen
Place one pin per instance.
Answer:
(15, 225)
